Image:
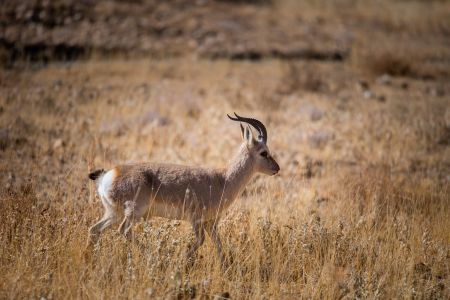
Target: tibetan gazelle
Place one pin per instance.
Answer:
(198, 195)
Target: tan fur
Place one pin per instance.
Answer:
(198, 195)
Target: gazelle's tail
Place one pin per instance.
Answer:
(96, 174)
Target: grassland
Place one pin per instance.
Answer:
(360, 209)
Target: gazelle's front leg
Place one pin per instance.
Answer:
(211, 228)
(126, 227)
(132, 215)
(199, 232)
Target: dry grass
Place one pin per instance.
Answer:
(361, 208)
(365, 214)
(380, 241)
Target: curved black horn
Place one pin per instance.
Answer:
(255, 123)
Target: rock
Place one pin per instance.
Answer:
(58, 144)
(435, 91)
(368, 94)
(385, 79)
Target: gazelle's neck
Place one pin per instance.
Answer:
(238, 174)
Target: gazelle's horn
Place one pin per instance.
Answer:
(255, 123)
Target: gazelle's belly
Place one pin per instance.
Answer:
(167, 211)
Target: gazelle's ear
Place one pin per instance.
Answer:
(248, 135)
(242, 131)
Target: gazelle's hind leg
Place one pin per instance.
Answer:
(109, 218)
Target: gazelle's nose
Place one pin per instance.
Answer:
(277, 169)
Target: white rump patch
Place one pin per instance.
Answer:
(106, 184)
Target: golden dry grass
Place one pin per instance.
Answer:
(361, 208)
(364, 212)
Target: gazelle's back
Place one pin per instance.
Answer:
(161, 188)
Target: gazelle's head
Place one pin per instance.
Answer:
(257, 147)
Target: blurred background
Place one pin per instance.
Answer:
(403, 37)
(356, 99)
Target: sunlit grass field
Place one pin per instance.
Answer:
(360, 208)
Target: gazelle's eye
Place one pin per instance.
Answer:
(264, 154)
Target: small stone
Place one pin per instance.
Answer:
(384, 79)
(58, 144)
(435, 92)
(368, 94)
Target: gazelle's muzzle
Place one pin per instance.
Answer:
(276, 168)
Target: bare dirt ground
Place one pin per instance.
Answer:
(356, 99)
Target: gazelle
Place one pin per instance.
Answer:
(198, 195)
